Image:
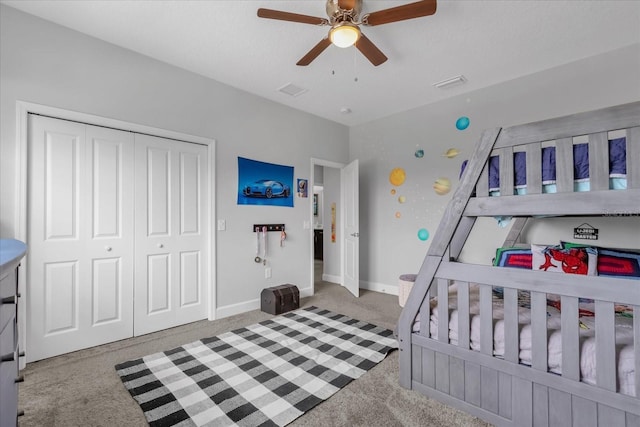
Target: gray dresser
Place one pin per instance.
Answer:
(11, 252)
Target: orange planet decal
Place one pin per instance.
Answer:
(397, 176)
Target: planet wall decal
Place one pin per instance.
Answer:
(462, 123)
(423, 234)
(451, 153)
(442, 186)
(397, 176)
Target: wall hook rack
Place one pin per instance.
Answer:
(270, 227)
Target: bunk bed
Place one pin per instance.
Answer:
(513, 346)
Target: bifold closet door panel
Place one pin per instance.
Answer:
(171, 243)
(80, 237)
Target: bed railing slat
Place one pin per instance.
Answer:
(486, 320)
(633, 157)
(460, 236)
(598, 161)
(443, 310)
(514, 233)
(425, 313)
(463, 315)
(605, 346)
(617, 117)
(482, 187)
(569, 203)
(506, 171)
(511, 327)
(570, 329)
(539, 331)
(564, 165)
(534, 168)
(636, 346)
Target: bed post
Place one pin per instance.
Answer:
(516, 230)
(449, 228)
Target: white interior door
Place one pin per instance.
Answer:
(171, 245)
(80, 239)
(351, 238)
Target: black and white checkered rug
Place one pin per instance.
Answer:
(266, 374)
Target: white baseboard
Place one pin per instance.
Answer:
(306, 292)
(243, 307)
(332, 279)
(379, 287)
(238, 308)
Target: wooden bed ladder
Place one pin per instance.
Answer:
(448, 241)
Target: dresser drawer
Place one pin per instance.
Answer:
(8, 375)
(8, 294)
(7, 314)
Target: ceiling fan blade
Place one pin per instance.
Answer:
(292, 17)
(370, 50)
(401, 13)
(314, 52)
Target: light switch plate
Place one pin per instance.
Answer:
(222, 225)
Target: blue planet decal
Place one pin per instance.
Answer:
(423, 234)
(462, 123)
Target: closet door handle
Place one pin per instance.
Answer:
(107, 248)
(160, 245)
(9, 300)
(8, 357)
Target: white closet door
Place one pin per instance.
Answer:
(171, 245)
(80, 256)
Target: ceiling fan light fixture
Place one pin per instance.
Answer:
(344, 35)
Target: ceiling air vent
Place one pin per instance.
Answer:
(292, 90)
(453, 81)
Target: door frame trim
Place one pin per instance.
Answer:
(23, 109)
(335, 165)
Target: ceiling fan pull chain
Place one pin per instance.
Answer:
(355, 66)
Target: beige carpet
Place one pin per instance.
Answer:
(83, 389)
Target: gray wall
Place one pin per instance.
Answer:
(388, 245)
(47, 64)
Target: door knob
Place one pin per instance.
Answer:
(356, 234)
(107, 248)
(160, 245)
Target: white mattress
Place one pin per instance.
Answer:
(624, 337)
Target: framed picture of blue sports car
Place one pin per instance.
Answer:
(267, 184)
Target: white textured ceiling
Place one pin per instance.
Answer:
(487, 41)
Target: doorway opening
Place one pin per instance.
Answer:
(334, 257)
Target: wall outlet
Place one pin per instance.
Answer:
(267, 273)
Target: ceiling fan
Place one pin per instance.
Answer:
(345, 22)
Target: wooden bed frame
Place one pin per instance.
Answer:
(503, 391)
